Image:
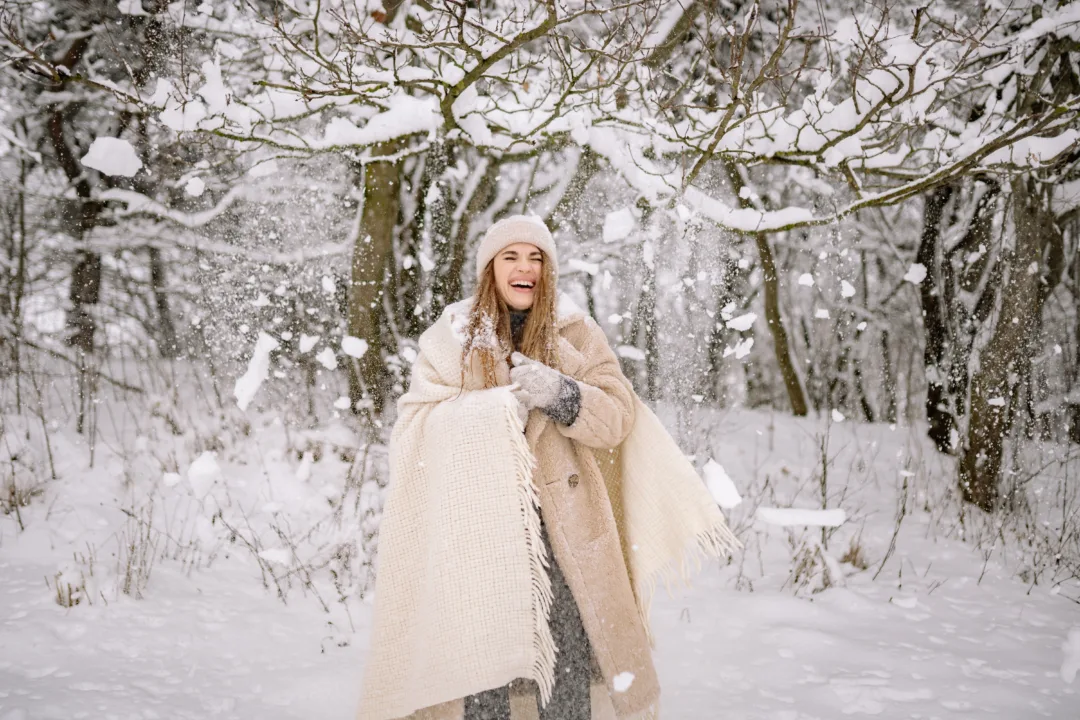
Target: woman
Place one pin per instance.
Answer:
(534, 502)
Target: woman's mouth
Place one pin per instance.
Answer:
(522, 286)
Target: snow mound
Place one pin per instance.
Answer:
(787, 517)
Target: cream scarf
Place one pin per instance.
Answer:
(462, 594)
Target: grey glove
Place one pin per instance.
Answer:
(546, 389)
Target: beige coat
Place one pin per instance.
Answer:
(615, 493)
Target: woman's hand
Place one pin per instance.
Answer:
(545, 388)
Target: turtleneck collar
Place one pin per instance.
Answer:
(517, 325)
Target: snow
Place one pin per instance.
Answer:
(327, 359)
(307, 342)
(837, 416)
(112, 156)
(746, 219)
(1070, 665)
(630, 352)
(997, 401)
(203, 474)
(786, 517)
(342, 403)
(720, 485)
(741, 349)
(821, 313)
(131, 7)
(329, 286)
(916, 273)
(195, 187)
(943, 632)
(277, 556)
(353, 346)
(585, 267)
(258, 369)
(618, 225)
(622, 682)
(407, 115)
(806, 280)
(743, 322)
(847, 289)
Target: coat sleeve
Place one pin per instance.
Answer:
(606, 411)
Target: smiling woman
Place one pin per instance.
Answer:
(506, 586)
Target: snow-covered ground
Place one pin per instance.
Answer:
(948, 628)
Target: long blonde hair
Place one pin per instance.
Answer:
(488, 330)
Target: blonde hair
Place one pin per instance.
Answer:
(488, 330)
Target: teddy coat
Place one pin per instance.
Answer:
(584, 508)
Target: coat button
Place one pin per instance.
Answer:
(573, 480)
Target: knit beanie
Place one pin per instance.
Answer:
(514, 229)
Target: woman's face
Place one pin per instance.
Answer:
(517, 271)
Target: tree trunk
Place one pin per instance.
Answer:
(781, 346)
(1001, 362)
(935, 323)
(374, 246)
(796, 394)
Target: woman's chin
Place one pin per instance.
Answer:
(519, 301)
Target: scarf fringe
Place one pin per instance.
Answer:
(716, 541)
(542, 595)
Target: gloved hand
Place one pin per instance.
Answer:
(538, 384)
(546, 389)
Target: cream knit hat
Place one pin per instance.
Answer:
(514, 229)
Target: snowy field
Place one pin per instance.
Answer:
(948, 628)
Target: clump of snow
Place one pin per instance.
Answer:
(847, 289)
(720, 485)
(112, 156)
(195, 187)
(131, 7)
(630, 352)
(741, 349)
(585, 267)
(203, 473)
(786, 517)
(327, 359)
(837, 416)
(806, 280)
(258, 370)
(307, 342)
(170, 479)
(353, 346)
(342, 403)
(622, 681)
(743, 322)
(618, 225)
(328, 285)
(821, 313)
(916, 273)
(996, 401)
